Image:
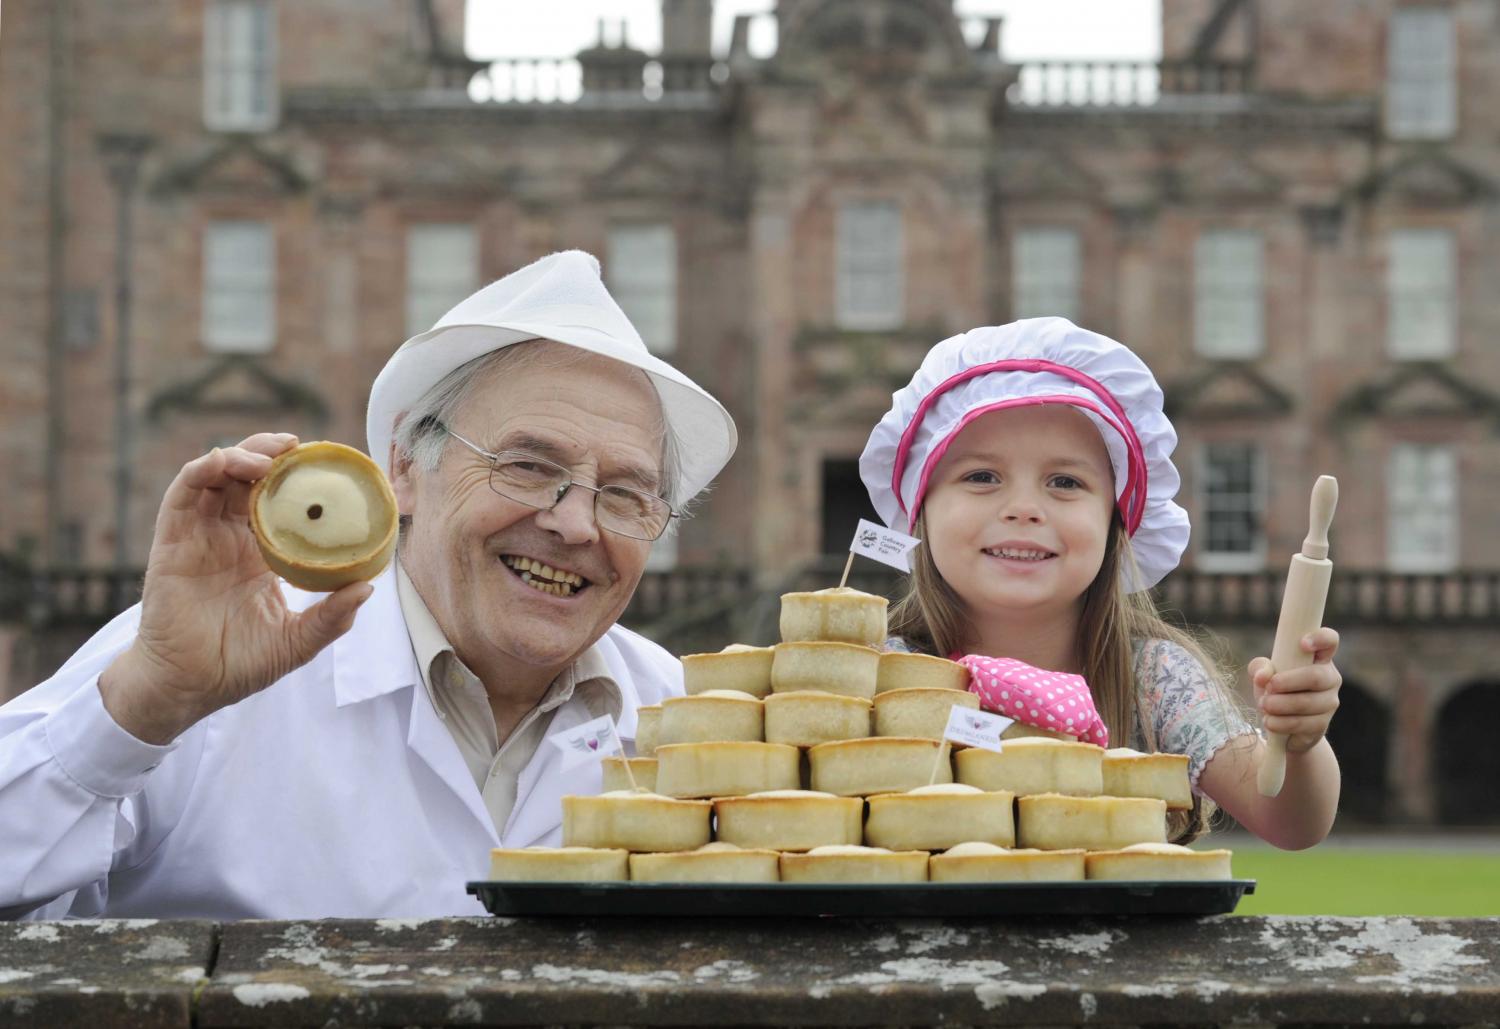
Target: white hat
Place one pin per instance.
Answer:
(561, 298)
(1036, 361)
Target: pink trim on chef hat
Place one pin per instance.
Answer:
(1036, 361)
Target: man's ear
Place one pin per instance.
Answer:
(403, 481)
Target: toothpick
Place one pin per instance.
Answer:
(634, 786)
(847, 565)
(942, 755)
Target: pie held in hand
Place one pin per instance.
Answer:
(324, 517)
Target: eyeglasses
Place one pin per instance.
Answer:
(542, 484)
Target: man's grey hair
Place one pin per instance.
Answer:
(421, 435)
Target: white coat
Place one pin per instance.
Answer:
(336, 792)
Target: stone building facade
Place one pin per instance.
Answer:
(218, 217)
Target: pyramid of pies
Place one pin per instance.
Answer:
(879, 764)
(324, 516)
(809, 717)
(710, 863)
(854, 865)
(726, 769)
(919, 711)
(615, 780)
(985, 862)
(736, 667)
(938, 817)
(559, 864)
(903, 671)
(635, 821)
(1034, 765)
(843, 668)
(1159, 862)
(1129, 773)
(789, 820)
(647, 729)
(1052, 821)
(712, 717)
(839, 614)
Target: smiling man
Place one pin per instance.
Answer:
(234, 748)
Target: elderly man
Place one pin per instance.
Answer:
(233, 748)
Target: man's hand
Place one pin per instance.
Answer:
(214, 628)
(1300, 703)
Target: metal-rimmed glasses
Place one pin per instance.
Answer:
(542, 484)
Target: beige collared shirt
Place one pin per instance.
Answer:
(464, 707)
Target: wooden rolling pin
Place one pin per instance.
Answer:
(1301, 612)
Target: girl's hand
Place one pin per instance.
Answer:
(1300, 703)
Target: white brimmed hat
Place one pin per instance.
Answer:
(561, 298)
(1036, 361)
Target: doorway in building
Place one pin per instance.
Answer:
(845, 502)
(1466, 761)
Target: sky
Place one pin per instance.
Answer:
(1129, 29)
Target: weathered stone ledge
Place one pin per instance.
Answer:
(498, 971)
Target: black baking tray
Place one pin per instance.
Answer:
(872, 900)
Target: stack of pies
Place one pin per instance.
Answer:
(720, 789)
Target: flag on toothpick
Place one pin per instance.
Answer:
(976, 728)
(590, 740)
(884, 545)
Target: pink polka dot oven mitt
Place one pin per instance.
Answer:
(1059, 701)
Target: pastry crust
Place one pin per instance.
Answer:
(939, 817)
(1129, 773)
(838, 614)
(854, 865)
(1055, 822)
(635, 821)
(714, 717)
(324, 516)
(616, 781)
(558, 864)
(903, 671)
(736, 667)
(711, 863)
(725, 769)
(880, 764)
(920, 712)
(647, 729)
(806, 718)
(1034, 765)
(790, 820)
(1162, 862)
(983, 862)
(843, 668)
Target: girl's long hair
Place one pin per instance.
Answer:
(931, 617)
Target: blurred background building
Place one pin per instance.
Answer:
(219, 217)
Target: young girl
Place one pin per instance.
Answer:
(1034, 461)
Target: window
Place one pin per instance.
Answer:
(870, 280)
(1046, 273)
(1421, 91)
(1420, 294)
(1422, 530)
(442, 268)
(239, 66)
(641, 269)
(1228, 308)
(239, 287)
(1233, 505)
(663, 554)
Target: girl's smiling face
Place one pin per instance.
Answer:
(1018, 511)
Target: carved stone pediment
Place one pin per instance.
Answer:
(872, 39)
(1222, 176)
(1044, 174)
(236, 384)
(235, 165)
(1225, 389)
(1426, 179)
(1419, 389)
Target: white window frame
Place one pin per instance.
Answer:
(870, 273)
(239, 286)
(1229, 294)
(1224, 561)
(1046, 272)
(1421, 294)
(1422, 497)
(1421, 82)
(640, 268)
(240, 88)
(442, 268)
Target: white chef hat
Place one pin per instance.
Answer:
(1036, 361)
(561, 298)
